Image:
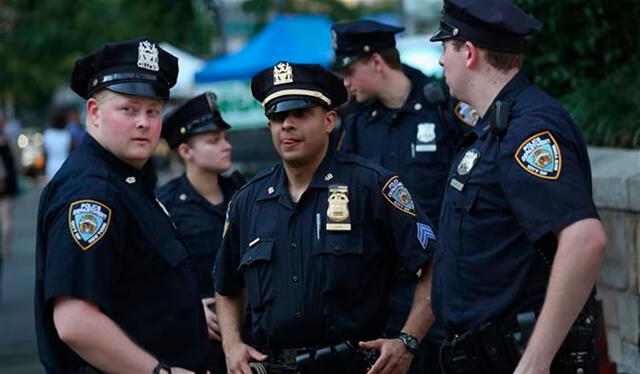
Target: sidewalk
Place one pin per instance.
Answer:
(18, 352)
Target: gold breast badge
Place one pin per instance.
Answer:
(338, 210)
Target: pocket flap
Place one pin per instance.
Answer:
(261, 251)
(338, 245)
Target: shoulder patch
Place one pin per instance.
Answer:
(88, 222)
(466, 114)
(540, 155)
(397, 194)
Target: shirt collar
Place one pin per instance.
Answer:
(144, 177)
(515, 85)
(276, 184)
(190, 194)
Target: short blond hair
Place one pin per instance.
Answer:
(101, 96)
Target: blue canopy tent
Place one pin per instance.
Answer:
(294, 38)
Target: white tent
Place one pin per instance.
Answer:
(188, 65)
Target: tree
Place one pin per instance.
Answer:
(587, 55)
(40, 40)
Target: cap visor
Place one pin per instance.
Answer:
(292, 104)
(143, 89)
(342, 62)
(441, 35)
(209, 127)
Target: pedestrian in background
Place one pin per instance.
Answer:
(8, 192)
(57, 144)
(521, 242)
(74, 125)
(115, 290)
(198, 199)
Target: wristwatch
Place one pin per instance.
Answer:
(410, 342)
(162, 368)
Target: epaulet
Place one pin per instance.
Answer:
(259, 176)
(350, 158)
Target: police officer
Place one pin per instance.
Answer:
(314, 241)
(521, 239)
(407, 123)
(403, 120)
(198, 199)
(115, 291)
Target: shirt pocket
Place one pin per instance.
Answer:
(341, 259)
(256, 267)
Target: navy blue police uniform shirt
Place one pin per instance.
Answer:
(104, 238)
(411, 140)
(503, 202)
(308, 285)
(199, 222)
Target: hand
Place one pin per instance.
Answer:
(212, 319)
(529, 366)
(238, 357)
(394, 357)
(175, 370)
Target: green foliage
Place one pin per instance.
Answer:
(334, 9)
(40, 40)
(587, 55)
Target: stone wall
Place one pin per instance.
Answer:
(616, 191)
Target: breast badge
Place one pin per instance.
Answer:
(469, 160)
(425, 137)
(88, 222)
(397, 194)
(338, 210)
(540, 155)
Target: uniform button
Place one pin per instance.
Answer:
(183, 197)
(294, 279)
(294, 245)
(418, 106)
(374, 113)
(250, 258)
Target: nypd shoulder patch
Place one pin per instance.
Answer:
(467, 114)
(540, 155)
(397, 194)
(88, 222)
(425, 232)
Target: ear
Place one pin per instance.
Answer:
(93, 112)
(472, 54)
(330, 119)
(184, 151)
(378, 62)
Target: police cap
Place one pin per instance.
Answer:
(196, 116)
(135, 67)
(497, 25)
(352, 40)
(288, 86)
